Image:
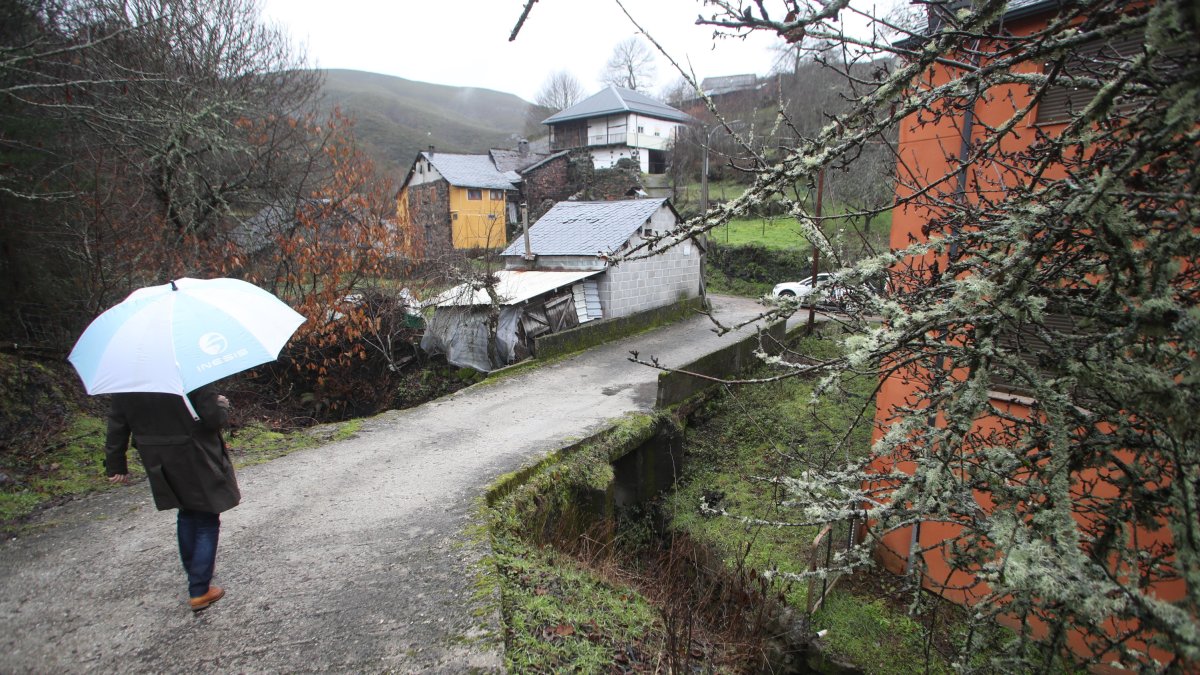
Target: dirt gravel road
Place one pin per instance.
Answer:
(350, 557)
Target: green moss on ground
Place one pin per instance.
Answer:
(560, 615)
(256, 443)
(765, 430)
(50, 450)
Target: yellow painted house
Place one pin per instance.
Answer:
(457, 201)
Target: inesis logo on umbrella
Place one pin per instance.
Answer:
(215, 344)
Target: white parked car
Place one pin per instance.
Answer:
(803, 291)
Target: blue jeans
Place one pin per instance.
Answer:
(198, 534)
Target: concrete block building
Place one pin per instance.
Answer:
(579, 236)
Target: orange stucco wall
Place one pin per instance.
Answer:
(477, 223)
(928, 148)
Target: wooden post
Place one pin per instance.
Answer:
(816, 254)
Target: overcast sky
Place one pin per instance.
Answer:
(465, 42)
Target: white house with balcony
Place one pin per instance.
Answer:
(617, 123)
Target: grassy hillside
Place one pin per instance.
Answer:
(397, 118)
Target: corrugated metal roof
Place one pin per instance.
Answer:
(586, 228)
(614, 100)
(512, 286)
(471, 171)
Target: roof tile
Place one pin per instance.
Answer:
(586, 228)
(614, 100)
(470, 171)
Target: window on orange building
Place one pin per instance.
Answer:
(1099, 60)
(1033, 345)
(474, 195)
(496, 195)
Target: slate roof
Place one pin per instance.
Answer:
(615, 100)
(513, 160)
(543, 160)
(726, 84)
(1016, 9)
(469, 171)
(259, 231)
(586, 228)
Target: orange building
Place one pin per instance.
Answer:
(940, 162)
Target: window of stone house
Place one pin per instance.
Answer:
(475, 195)
(496, 195)
(641, 130)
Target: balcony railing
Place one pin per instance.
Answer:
(633, 140)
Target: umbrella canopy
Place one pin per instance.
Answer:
(181, 336)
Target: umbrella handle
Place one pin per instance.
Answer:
(188, 402)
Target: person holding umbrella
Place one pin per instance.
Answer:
(188, 467)
(158, 353)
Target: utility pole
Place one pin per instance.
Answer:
(704, 174)
(816, 256)
(524, 213)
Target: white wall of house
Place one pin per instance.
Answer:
(622, 133)
(606, 158)
(424, 172)
(557, 262)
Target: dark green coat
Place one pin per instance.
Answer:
(185, 459)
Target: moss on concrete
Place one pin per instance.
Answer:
(596, 333)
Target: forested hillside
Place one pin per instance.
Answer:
(397, 118)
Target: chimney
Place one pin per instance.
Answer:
(431, 151)
(523, 147)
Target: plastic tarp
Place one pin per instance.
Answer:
(461, 334)
(458, 327)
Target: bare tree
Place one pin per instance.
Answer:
(631, 66)
(560, 91)
(677, 92)
(139, 132)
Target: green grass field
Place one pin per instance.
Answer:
(782, 232)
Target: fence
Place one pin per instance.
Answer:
(835, 537)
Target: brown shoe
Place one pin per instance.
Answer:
(214, 594)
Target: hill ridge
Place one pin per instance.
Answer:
(397, 117)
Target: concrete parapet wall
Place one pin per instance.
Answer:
(598, 332)
(675, 387)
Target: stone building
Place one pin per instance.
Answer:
(457, 201)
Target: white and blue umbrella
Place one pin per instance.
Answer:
(181, 336)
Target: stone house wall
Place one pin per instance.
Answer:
(429, 212)
(546, 185)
